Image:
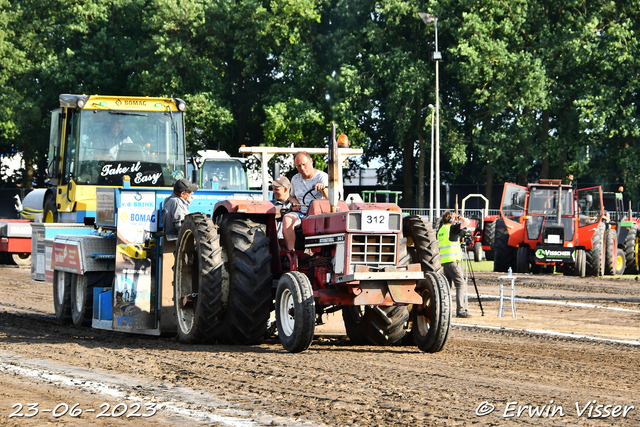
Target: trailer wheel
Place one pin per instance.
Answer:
(522, 260)
(22, 259)
(62, 296)
(504, 255)
(247, 259)
(432, 320)
(630, 250)
(595, 256)
(198, 279)
(81, 302)
(50, 211)
(477, 252)
(375, 325)
(488, 238)
(620, 262)
(610, 252)
(422, 237)
(82, 294)
(295, 311)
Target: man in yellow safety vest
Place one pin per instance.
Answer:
(452, 228)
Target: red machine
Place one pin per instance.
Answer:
(483, 230)
(15, 242)
(380, 269)
(548, 224)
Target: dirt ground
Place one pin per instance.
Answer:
(569, 357)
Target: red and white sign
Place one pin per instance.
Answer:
(66, 257)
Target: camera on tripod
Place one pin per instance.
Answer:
(466, 239)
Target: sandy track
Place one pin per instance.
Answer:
(332, 383)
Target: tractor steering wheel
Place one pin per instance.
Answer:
(306, 194)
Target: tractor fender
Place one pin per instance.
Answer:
(244, 206)
(516, 232)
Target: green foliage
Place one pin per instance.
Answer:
(527, 87)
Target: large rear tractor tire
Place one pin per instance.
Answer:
(295, 311)
(247, 282)
(375, 325)
(488, 238)
(610, 252)
(595, 255)
(62, 296)
(50, 211)
(432, 320)
(522, 260)
(422, 241)
(504, 255)
(630, 250)
(197, 280)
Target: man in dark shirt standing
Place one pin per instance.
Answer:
(451, 230)
(281, 188)
(176, 207)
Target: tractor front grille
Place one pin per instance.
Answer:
(373, 250)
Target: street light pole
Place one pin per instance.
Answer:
(427, 18)
(431, 167)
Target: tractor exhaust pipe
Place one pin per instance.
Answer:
(334, 171)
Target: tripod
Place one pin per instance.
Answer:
(466, 241)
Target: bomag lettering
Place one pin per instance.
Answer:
(135, 103)
(137, 217)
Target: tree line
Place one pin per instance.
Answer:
(529, 89)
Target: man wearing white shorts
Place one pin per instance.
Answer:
(307, 179)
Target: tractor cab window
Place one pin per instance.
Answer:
(589, 206)
(146, 145)
(513, 201)
(223, 174)
(544, 201)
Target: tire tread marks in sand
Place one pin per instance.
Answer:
(202, 268)
(248, 263)
(595, 254)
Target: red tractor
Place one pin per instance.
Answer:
(546, 225)
(483, 229)
(380, 269)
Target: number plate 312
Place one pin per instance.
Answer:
(375, 221)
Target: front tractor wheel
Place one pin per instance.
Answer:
(595, 255)
(630, 249)
(197, 279)
(477, 252)
(295, 312)
(432, 320)
(522, 260)
(610, 251)
(620, 262)
(488, 238)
